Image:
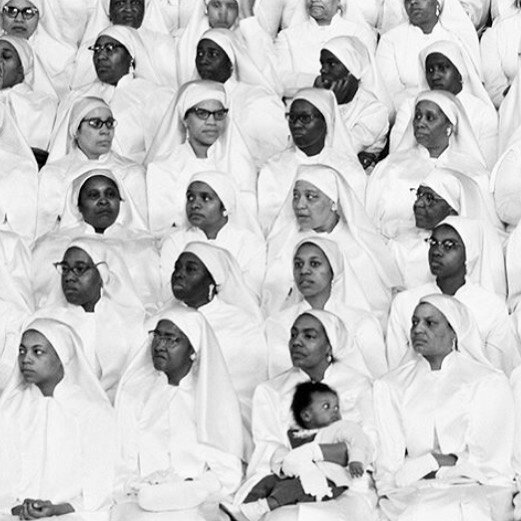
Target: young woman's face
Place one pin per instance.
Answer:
(205, 131)
(11, 69)
(95, 142)
(111, 60)
(447, 254)
(99, 202)
(204, 209)
(307, 125)
(308, 345)
(222, 13)
(312, 272)
(20, 26)
(442, 74)
(38, 361)
(191, 279)
(211, 62)
(127, 12)
(429, 208)
(430, 125)
(312, 208)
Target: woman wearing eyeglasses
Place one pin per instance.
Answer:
(463, 256)
(87, 141)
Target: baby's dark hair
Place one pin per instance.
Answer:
(302, 398)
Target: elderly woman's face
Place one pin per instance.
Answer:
(94, 142)
(431, 334)
(420, 12)
(81, 281)
(322, 10)
(99, 202)
(312, 208)
(38, 361)
(429, 208)
(205, 131)
(312, 272)
(11, 69)
(111, 60)
(211, 62)
(442, 74)
(127, 12)
(191, 279)
(307, 125)
(171, 348)
(222, 13)
(204, 209)
(308, 345)
(24, 23)
(447, 254)
(431, 126)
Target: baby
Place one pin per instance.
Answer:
(301, 475)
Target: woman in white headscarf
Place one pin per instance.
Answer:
(321, 202)
(439, 134)
(122, 69)
(196, 134)
(214, 212)
(443, 66)
(58, 431)
(399, 48)
(87, 144)
(97, 206)
(316, 351)
(56, 56)
(467, 261)
(179, 423)
(445, 421)
(319, 136)
(322, 280)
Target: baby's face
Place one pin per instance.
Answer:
(323, 410)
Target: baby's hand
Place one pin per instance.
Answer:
(356, 468)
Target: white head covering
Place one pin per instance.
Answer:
(217, 414)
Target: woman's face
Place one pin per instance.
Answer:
(431, 334)
(307, 125)
(211, 62)
(82, 288)
(38, 361)
(204, 209)
(95, 142)
(19, 26)
(171, 348)
(205, 131)
(333, 70)
(191, 279)
(442, 74)
(429, 208)
(431, 125)
(111, 60)
(447, 255)
(222, 13)
(99, 202)
(312, 208)
(308, 345)
(127, 12)
(11, 68)
(322, 10)
(421, 12)
(312, 272)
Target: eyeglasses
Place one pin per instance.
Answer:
(428, 197)
(303, 118)
(98, 123)
(446, 245)
(27, 12)
(108, 47)
(204, 114)
(78, 269)
(167, 338)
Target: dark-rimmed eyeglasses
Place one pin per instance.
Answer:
(27, 12)
(204, 114)
(98, 123)
(446, 245)
(167, 338)
(108, 47)
(303, 118)
(427, 197)
(79, 269)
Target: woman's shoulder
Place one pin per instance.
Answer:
(281, 385)
(396, 33)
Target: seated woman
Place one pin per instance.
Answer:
(315, 356)
(399, 48)
(195, 135)
(215, 213)
(137, 104)
(207, 278)
(322, 281)
(445, 421)
(298, 47)
(87, 144)
(348, 69)
(97, 206)
(468, 264)
(221, 57)
(443, 66)
(442, 193)
(318, 137)
(322, 203)
(21, 18)
(56, 419)
(439, 134)
(179, 424)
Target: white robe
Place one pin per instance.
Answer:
(465, 409)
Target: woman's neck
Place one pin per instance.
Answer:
(211, 232)
(450, 285)
(197, 301)
(90, 155)
(428, 26)
(175, 377)
(436, 361)
(319, 300)
(317, 373)
(329, 225)
(436, 150)
(200, 150)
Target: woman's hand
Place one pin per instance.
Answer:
(36, 509)
(445, 460)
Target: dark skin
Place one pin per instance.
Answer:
(127, 12)
(211, 62)
(309, 137)
(111, 66)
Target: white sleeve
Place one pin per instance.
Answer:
(494, 77)
(397, 336)
(370, 341)
(386, 62)
(507, 190)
